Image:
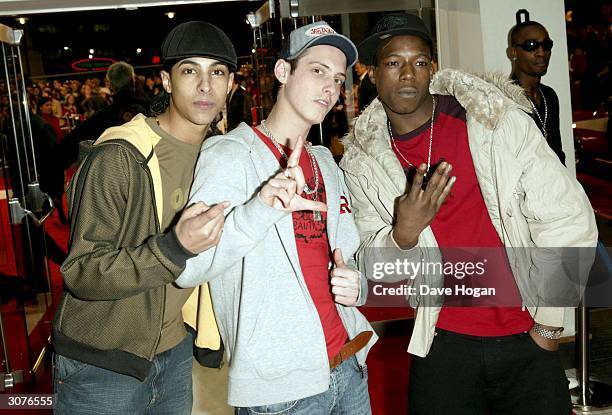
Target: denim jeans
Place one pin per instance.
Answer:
(347, 395)
(82, 388)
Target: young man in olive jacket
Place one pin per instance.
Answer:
(120, 341)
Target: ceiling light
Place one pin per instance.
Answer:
(170, 15)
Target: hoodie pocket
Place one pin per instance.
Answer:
(287, 335)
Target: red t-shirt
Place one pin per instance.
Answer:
(314, 253)
(55, 123)
(463, 222)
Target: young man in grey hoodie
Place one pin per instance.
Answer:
(295, 341)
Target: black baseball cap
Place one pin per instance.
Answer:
(394, 24)
(198, 39)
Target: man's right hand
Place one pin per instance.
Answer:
(199, 227)
(416, 209)
(283, 191)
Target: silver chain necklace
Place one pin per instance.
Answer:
(392, 139)
(307, 189)
(317, 216)
(535, 110)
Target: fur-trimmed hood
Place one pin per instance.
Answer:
(485, 98)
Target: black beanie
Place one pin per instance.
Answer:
(201, 39)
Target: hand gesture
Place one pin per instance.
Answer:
(416, 209)
(199, 227)
(284, 190)
(344, 281)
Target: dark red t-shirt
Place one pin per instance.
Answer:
(463, 222)
(314, 253)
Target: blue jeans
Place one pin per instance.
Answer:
(82, 388)
(347, 395)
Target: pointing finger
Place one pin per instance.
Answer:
(294, 158)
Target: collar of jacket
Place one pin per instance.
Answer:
(136, 132)
(486, 99)
(144, 139)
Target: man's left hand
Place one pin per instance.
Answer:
(550, 345)
(344, 281)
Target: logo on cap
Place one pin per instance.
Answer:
(320, 30)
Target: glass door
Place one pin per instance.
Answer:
(26, 299)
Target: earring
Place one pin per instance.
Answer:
(514, 58)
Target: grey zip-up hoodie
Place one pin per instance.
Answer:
(267, 319)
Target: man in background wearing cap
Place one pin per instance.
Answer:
(295, 341)
(120, 341)
(508, 190)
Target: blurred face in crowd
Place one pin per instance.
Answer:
(46, 108)
(402, 74)
(198, 88)
(533, 63)
(86, 91)
(314, 86)
(360, 68)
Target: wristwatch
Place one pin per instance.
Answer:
(547, 333)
